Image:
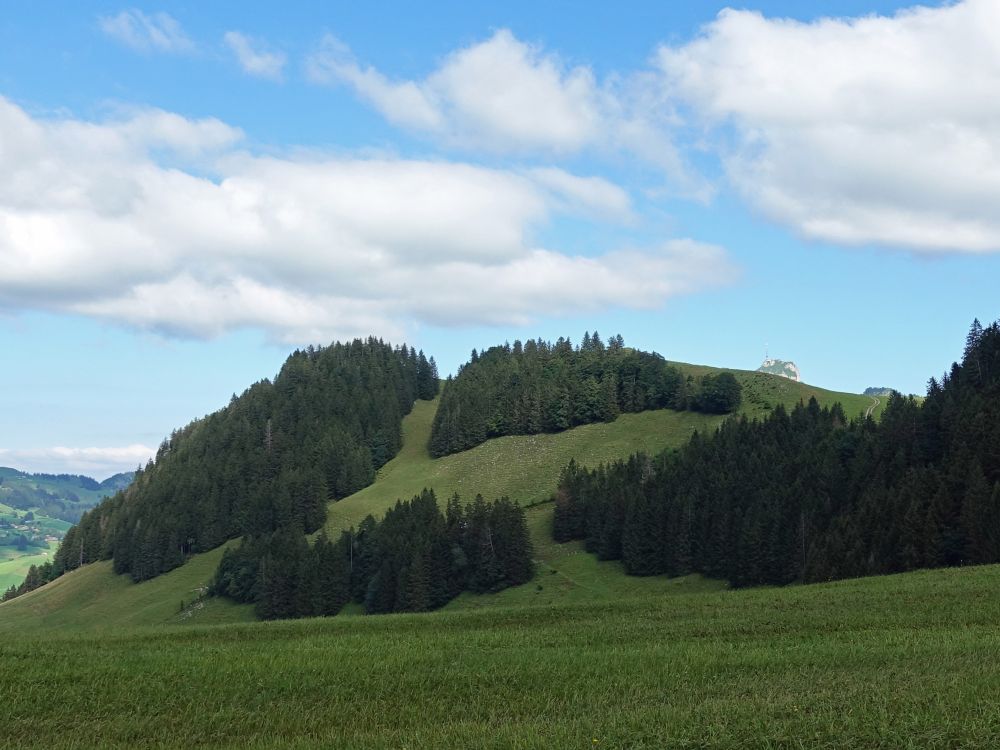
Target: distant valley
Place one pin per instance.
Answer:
(36, 511)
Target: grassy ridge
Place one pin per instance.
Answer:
(762, 392)
(900, 661)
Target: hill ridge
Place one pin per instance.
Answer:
(413, 469)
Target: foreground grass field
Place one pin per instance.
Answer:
(894, 662)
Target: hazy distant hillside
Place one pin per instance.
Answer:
(62, 496)
(877, 392)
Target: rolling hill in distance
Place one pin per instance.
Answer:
(524, 468)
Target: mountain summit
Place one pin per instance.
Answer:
(780, 367)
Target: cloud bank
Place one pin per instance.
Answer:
(881, 130)
(162, 222)
(98, 463)
(505, 96)
(868, 130)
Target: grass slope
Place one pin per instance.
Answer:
(94, 598)
(762, 392)
(901, 661)
(525, 468)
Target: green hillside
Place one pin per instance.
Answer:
(898, 661)
(763, 391)
(524, 468)
(94, 598)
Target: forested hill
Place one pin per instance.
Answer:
(270, 460)
(807, 495)
(538, 386)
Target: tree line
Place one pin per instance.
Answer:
(807, 495)
(417, 558)
(269, 461)
(538, 386)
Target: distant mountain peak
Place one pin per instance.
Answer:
(878, 391)
(781, 367)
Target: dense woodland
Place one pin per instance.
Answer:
(808, 496)
(538, 386)
(417, 558)
(269, 461)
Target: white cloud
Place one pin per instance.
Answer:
(404, 103)
(503, 95)
(593, 195)
(158, 32)
(98, 463)
(253, 57)
(100, 219)
(500, 93)
(868, 130)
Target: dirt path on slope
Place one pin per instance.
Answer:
(873, 407)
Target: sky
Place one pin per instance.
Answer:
(191, 191)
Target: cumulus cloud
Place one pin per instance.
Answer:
(159, 32)
(104, 219)
(867, 130)
(500, 93)
(99, 463)
(506, 96)
(254, 57)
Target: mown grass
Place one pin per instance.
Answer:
(894, 662)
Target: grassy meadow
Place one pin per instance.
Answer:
(893, 662)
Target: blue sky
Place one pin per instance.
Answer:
(191, 193)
